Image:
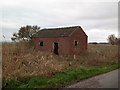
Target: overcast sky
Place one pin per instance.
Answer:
(98, 18)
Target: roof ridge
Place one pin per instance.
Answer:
(61, 27)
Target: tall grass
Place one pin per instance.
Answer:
(20, 61)
(60, 79)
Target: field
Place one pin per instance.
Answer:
(18, 61)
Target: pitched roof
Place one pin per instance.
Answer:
(56, 32)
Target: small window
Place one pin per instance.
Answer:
(75, 43)
(41, 43)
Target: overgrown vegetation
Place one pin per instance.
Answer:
(21, 63)
(61, 78)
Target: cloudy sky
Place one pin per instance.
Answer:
(98, 18)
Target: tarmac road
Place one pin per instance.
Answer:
(106, 80)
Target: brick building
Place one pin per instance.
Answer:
(66, 40)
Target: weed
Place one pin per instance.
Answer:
(60, 78)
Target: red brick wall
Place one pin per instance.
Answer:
(65, 44)
(79, 36)
(48, 44)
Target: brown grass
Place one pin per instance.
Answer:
(20, 61)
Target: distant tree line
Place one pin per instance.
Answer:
(112, 39)
(98, 43)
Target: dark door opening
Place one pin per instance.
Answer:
(56, 48)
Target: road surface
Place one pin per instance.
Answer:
(106, 80)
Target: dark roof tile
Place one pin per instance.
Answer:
(56, 32)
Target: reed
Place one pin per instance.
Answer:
(18, 60)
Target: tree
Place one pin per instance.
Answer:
(25, 33)
(112, 39)
(118, 41)
(15, 37)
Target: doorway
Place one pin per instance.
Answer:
(56, 48)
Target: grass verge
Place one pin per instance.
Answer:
(61, 78)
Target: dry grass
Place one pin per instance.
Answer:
(20, 61)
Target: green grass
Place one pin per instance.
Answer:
(60, 78)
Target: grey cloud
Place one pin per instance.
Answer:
(96, 15)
